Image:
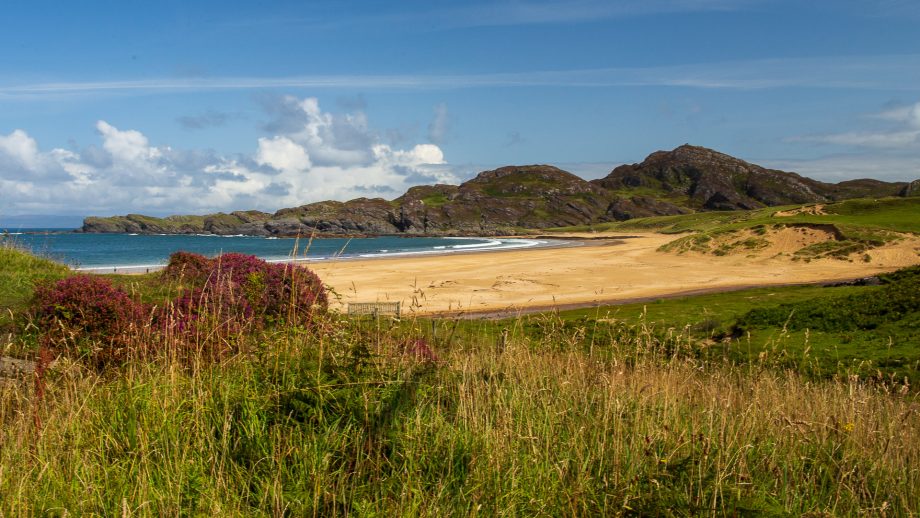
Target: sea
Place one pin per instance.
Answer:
(140, 252)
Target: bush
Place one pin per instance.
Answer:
(188, 266)
(213, 317)
(222, 299)
(83, 308)
(273, 292)
(897, 298)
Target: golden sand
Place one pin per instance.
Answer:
(597, 271)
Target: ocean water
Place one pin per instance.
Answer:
(133, 251)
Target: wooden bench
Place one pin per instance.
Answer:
(374, 308)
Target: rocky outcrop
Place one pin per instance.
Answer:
(709, 180)
(680, 181)
(622, 209)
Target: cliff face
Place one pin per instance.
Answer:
(684, 180)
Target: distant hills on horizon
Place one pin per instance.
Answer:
(13, 223)
(681, 181)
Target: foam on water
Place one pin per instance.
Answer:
(105, 253)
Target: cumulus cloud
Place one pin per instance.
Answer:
(329, 139)
(312, 155)
(282, 154)
(20, 149)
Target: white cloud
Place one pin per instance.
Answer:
(421, 154)
(20, 149)
(909, 114)
(313, 155)
(128, 146)
(898, 72)
(282, 154)
(903, 134)
(836, 168)
(892, 139)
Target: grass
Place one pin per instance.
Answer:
(894, 214)
(19, 273)
(887, 351)
(858, 226)
(344, 423)
(639, 409)
(436, 200)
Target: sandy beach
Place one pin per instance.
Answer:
(614, 268)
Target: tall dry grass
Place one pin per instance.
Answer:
(347, 421)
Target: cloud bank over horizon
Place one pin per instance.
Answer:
(310, 155)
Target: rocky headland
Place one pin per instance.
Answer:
(684, 180)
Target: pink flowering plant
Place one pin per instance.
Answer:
(81, 309)
(220, 301)
(274, 292)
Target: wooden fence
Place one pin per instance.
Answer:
(374, 308)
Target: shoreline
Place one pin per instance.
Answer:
(567, 271)
(519, 243)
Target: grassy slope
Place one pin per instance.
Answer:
(19, 273)
(891, 349)
(895, 214)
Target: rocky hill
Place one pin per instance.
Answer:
(687, 179)
(697, 178)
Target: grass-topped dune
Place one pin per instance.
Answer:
(848, 230)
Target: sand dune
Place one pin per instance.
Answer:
(595, 272)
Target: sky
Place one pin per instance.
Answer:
(114, 107)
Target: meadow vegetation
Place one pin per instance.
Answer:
(893, 214)
(234, 392)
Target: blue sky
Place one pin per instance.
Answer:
(164, 107)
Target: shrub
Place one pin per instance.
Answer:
(188, 266)
(273, 292)
(211, 317)
(899, 296)
(223, 299)
(83, 308)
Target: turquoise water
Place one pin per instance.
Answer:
(104, 251)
